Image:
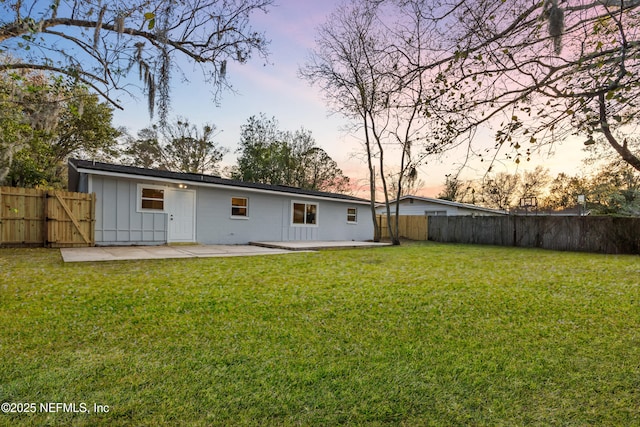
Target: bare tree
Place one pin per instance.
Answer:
(499, 191)
(100, 43)
(411, 184)
(369, 63)
(534, 183)
(343, 64)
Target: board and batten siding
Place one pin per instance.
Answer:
(117, 220)
(216, 225)
(270, 218)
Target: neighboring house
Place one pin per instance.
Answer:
(415, 205)
(136, 206)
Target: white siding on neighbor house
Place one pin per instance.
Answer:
(409, 209)
(117, 219)
(421, 207)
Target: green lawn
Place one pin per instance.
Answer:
(423, 334)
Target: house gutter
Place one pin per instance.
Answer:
(211, 185)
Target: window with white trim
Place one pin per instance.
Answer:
(239, 207)
(352, 215)
(304, 213)
(151, 198)
(435, 213)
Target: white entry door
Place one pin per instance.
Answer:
(182, 218)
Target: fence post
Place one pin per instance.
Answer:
(45, 219)
(93, 219)
(426, 227)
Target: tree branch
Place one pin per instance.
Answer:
(73, 73)
(623, 149)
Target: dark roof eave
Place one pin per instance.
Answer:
(205, 179)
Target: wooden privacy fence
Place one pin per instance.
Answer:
(565, 233)
(33, 217)
(412, 227)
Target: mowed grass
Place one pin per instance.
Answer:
(423, 334)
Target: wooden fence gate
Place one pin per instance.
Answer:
(49, 218)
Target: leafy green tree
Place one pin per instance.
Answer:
(311, 167)
(271, 156)
(144, 151)
(85, 128)
(191, 149)
(615, 190)
(179, 146)
(262, 154)
(48, 120)
(14, 130)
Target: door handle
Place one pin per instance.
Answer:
(171, 217)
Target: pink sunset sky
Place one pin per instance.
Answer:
(272, 87)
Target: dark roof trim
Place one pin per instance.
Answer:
(204, 179)
(448, 203)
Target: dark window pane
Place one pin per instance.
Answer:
(152, 193)
(153, 204)
(298, 213)
(237, 201)
(311, 214)
(238, 211)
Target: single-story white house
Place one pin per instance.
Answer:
(137, 206)
(416, 205)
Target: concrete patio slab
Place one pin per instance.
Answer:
(314, 245)
(119, 253)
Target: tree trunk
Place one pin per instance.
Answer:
(623, 149)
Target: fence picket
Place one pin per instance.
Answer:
(28, 219)
(412, 227)
(567, 233)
